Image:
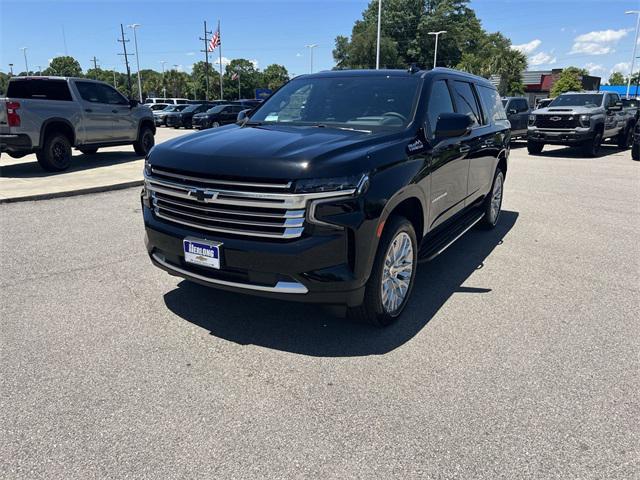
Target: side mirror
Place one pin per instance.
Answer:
(242, 114)
(133, 103)
(451, 125)
(512, 111)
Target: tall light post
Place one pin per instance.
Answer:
(378, 42)
(11, 69)
(311, 47)
(635, 44)
(435, 51)
(26, 64)
(164, 86)
(115, 84)
(133, 26)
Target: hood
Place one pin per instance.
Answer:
(566, 110)
(273, 151)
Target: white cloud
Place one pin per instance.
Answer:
(542, 58)
(602, 36)
(599, 42)
(225, 61)
(254, 62)
(594, 68)
(622, 67)
(298, 54)
(527, 48)
(190, 54)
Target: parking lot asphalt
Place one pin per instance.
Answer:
(113, 167)
(518, 355)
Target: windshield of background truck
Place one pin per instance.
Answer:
(385, 102)
(575, 100)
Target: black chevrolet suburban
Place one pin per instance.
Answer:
(333, 189)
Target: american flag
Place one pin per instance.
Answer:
(215, 41)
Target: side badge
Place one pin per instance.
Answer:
(415, 146)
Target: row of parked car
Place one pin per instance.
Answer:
(199, 114)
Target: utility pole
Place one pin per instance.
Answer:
(205, 39)
(135, 41)
(175, 82)
(164, 86)
(115, 84)
(220, 53)
(635, 44)
(39, 70)
(378, 43)
(26, 64)
(126, 58)
(311, 47)
(11, 69)
(95, 67)
(435, 51)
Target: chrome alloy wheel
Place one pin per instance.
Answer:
(496, 199)
(397, 273)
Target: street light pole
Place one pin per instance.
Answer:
(311, 47)
(135, 41)
(11, 69)
(378, 43)
(164, 87)
(635, 44)
(435, 51)
(26, 64)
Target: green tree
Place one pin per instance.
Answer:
(617, 78)
(178, 84)
(64, 66)
(250, 79)
(274, 76)
(199, 81)
(4, 81)
(570, 80)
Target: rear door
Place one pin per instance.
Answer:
(99, 116)
(449, 165)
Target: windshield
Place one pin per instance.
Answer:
(191, 108)
(216, 109)
(346, 102)
(577, 100)
(158, 106)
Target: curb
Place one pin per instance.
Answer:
(72, 193)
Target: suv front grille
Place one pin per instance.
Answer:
(232, 207)
(557, 121)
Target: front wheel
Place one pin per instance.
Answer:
(625, 138)
(534, 148)
(392, 275)
(635, 151)
(592, 147)
(145, 141)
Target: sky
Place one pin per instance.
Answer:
(595, 34)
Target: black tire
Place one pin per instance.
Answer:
(592, 147)
(624, 138)
(88, 151)
(372, 310)
(491, 215)
(534, 148)
(145, 141)
(55, 154)
(635, 151)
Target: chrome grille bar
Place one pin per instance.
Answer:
(211, 181)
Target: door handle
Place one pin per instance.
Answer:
(88, 110)
(465, 149)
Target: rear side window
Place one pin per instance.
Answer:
(439, 102)
(492, 105)
(39, 89)
(467, 103)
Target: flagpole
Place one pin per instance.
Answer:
(220, 48)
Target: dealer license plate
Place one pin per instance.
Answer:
(203, 253)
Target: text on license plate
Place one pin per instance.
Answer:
(202, 252)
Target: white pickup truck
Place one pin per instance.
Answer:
(51, 115)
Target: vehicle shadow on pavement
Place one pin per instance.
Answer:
(311, 330)
(577, 153)
(79, 162)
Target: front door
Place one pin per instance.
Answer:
(125, 126)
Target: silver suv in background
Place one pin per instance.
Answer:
(51, 115)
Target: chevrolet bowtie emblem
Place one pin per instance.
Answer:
(555, 119)
(203, 195)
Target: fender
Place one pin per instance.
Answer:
(144, 121)
(48, 122)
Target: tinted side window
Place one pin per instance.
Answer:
(439, 102)
(88, 91)
(110, 95)
(492, 104)
(466, 102)
(43, 89)
(519, 105)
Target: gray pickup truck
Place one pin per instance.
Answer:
(583, 119)
(51, 115)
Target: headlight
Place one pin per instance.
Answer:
(532, 119)
(585, 120)
(355, 182)
(147, 166)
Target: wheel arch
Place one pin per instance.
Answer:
(56, 124)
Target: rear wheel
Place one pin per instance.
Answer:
(215, 124)
(493, 202)
(145, 141)
(592, 147)
(88, 151)
(392, 276)
(534, 147)
(55, 154)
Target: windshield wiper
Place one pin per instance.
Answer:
(351, 129)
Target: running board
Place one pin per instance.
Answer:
(433, 247)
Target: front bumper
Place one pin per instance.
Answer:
(15, 143)
(312, 269)
(560, 137)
